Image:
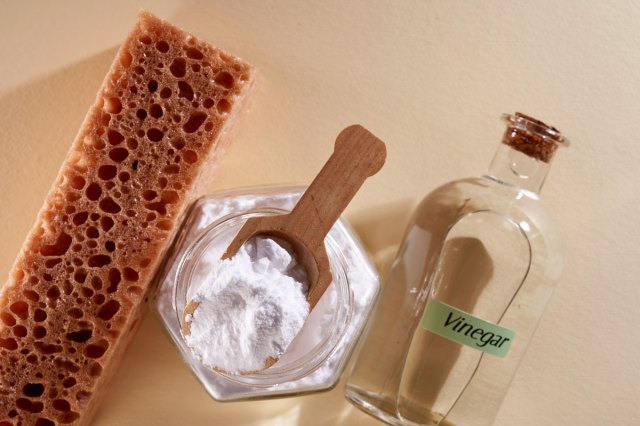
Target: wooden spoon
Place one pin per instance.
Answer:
(357, 155)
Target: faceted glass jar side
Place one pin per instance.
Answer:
(316, 358)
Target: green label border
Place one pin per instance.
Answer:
(466, 329)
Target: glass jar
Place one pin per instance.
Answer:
(317, 356)
(477, 266)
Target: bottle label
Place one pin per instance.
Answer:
(466, 329)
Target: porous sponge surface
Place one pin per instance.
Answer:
(75, 291)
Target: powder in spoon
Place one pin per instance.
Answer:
(252, 308)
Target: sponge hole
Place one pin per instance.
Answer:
(194, 53)
(109, 206)
(155, 135)
(59, 248)
(130, 274)
(7, 319)
(113, 105)
(178, 67)
(80, 336)
(61, 405)
(31, 295)
(92, 232)
(108, 310)
(53, 293)
(93, 191)
(80, 276)
(141, 114)
(114, 279)
(224, 106)
(106, 223)
(190, 156)
(95, 370)
(80, 218)
(96, 283)
(21, 309)
(39, 315)
(170, 197)
(178, 143)
(155, 111)
(9, 344)
(149, 194)
(164, 225)
(20, 331)
(77, 182)
(194, 122)
(107, 172)
(224, 79)
(132, 144)
(185, 90)
(75, 313)
(124, 177)
(162, 46)
(99, 260)
(39, 332)
(165, 93)
(114, 137)
(118, 154)
(33, 389)
(96, 350)
(30, 406)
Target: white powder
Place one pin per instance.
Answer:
(250, 308)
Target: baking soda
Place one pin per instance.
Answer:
(250, 308)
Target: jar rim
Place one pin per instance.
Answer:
(306, 363)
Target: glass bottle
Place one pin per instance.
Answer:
(478, 262)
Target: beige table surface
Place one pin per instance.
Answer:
(430, 78)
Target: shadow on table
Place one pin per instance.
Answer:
(38, 121)
(381, 230)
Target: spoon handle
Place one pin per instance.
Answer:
(357, 154)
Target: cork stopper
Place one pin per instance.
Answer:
(532, 137)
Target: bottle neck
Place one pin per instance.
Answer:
(514, 168)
